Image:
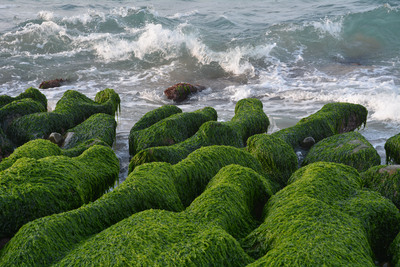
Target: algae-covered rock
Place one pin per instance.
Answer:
(6, 146)
(348, 148)
(181, 91)
(51, 83)
(72, 109)
(154, 116)
(392, 147)
(18, 108)
(277, 158)
(384, 179)
(171, 130)
(99, 126)
(324, 218)
(31, 93)
(32, 188)
(150, 186)
(249, 119)
(202, 235)
(333, 118)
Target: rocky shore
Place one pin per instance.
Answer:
(199, 191)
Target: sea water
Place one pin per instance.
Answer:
(295, 56)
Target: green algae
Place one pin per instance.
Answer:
(31, 93)
(18, 108)
(249, 119)
(332, 118)
(323, 217)
(32, 188)
(348, 148)
(150, 186)
(154, 116)
(384, 179)
(201, 235)
(6, 146)
(171, 130)
(99, 126)
(392, 148)
(72, 109)
(277, 158)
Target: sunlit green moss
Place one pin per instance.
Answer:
(199, 236)
(31, 93)
(155, 185)
(324, 218)
(392, 147)
(384, 179)
(277, 158)
(348, 148)
(249, 119)
(72, 109)
(155, 116)
(171, 130)
(32, 188)
(333, 118)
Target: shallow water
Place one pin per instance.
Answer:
(295, 56)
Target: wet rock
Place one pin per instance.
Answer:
(181, 91)
(308, 142)
(51, 83)
(56, 138)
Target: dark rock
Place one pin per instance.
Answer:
(56, 138)
(308, 142)
(181, 91)
(51, 83)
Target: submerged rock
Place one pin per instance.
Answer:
(348, 148)
(56, 138)
(308, 142)
(51, 83)
(181, 91)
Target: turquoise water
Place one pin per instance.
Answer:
(293, 55)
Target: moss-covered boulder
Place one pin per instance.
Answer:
(18, 108)
(392, 147)
(348, 148)
(249, 119)
(324, 218)
(384, 179)
(72, 109)
(155, 185)
(333, 118)
(32, 188)
(31, 93)
(171, 130)
(6, 146)
(155, 116)
(277, 158)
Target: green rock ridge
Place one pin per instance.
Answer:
(348, 148)
(72, 109)
(155, 185)
(31, 93)
(169, 131)
(249, 119)
(332, 118)
(324, 218)
(32, 188)
(392, 147)
(204, 234)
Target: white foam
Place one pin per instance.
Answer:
(183, 15)
(326, 25)
(46, 15)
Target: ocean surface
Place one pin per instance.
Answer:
(295, 56)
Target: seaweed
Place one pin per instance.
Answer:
(33, 188)
(324, 217)
(154, 116)
(99, 126)
(18, 108)
(6, 146)
(332, 118)
(348, 148)
(171, 130)
(249, 119)
(392, 148)
(31, 93)
(384, 179)
(277, 158)
(156, 185)
(72, 109)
